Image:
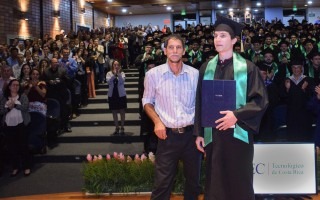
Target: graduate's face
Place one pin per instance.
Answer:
(297, 70)
(223, 41)
(316, 61)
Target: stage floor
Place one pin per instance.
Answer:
(81, 196)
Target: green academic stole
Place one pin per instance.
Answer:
(311, 70)
(240, 75)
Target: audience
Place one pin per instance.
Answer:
(69, 67)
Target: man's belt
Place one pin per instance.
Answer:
(181, 130)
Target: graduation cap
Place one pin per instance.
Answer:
(148, 43)
(263, 67)
(186, 55)
(228, 25)
(297, 60)
(283, 42)
(308, 41)
(255, 39)
(267, 50)
(150, 62)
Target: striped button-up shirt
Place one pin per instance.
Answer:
(173, 97)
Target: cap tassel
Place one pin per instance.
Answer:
(241, 44)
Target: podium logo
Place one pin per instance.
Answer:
(259, 168)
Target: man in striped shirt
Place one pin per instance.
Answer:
(169, 100)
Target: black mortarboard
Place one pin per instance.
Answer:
(283, 42)
(267, 50)
(228, 25)
(186, 55)
(150, 61)
(149, 43)
(308, 41)
(263, 67)
(255, 39)
(195, 41)
(297, 60)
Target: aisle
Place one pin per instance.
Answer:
(60, 169)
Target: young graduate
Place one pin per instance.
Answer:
(229, 151)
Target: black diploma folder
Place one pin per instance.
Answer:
(217, 95)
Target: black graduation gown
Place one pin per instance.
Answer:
(299, 118)
(229, 172)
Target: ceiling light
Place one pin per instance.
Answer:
(169, 8)
(247, 9)
(219, 5)
(109, 1)
(230, 9)
(256, 10)
(309, 2)
(124, 10)
(221, 11)
(258, 4)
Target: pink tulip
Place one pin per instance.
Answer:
(89, 158)
(108, 157)
(121, 156)
(95, 158)
(99, 157)
(136, 156)
(151, 156)
(143, 157)
(115, 155)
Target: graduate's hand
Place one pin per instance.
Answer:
(317, 90)
(287, 84)
(160, 131)
(304, 85)
(227, 121)
(200, 144)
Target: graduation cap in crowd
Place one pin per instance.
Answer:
(228, 25)
(263, 67)
(283, 42)
(186, 55)
(308, 41)
(268, 50)
(255, 39)
(297, 60)
(148, 43)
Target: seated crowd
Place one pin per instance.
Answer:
(66, 69)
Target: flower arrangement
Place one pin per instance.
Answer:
(123, 174)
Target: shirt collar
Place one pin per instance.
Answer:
(168, 70)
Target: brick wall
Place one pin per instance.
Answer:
(12, 25)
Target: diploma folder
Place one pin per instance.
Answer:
(217, 95)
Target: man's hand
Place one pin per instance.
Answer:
(160, 130)
(200, 144)
(227, 121)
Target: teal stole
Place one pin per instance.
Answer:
(240, 75)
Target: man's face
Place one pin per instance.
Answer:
(6, 72)
(256, 46)
(268, 41)
(54, 64)
(65, 53)
(223, 41)
(174, 50)
(148, 49)
(308, 47)
(316, 61)
(20, 58)
(284, 47)
(268, 58)
(96, 42)
(195, 46)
